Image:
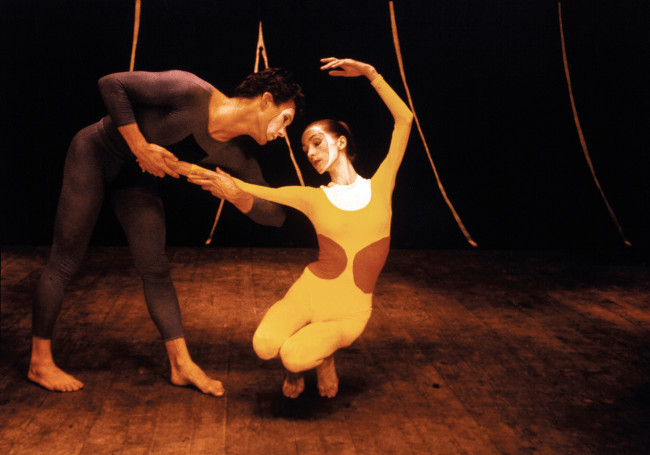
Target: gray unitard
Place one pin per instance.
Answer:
(168, 107)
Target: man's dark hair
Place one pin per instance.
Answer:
(277, 81)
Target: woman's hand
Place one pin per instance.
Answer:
(221, 185)
(347, 67)
(210, 181)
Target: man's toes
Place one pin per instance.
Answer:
(76, 386)
(217, 389)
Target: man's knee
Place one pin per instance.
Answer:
(153, 269)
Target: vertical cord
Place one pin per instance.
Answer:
(216, 219)
(417, 122)
(583, 143)
(136, 30)
(260, 49)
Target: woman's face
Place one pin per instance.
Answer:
(320, 147)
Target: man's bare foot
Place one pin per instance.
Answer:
(328, 381)
(191, 374)
(44, 372)
(293, 385)
(51, 377)
(186, 372)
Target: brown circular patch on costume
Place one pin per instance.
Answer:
(368, 264)
(331, 259)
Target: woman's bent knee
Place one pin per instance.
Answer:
(266, 346)
(294, 358)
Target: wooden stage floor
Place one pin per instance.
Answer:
(467, 352)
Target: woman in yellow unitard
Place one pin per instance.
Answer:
(329, 306)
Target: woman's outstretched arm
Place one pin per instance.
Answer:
(221, 184)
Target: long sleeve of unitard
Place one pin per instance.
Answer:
(170, 106)
(403, 118)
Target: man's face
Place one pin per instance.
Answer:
(281, 116)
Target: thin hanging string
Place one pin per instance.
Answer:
(216, 220)
(417, 122)
(136, 30)
(583, 143)
(261, 49)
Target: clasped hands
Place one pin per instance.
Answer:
(155, 160)
(220, 184)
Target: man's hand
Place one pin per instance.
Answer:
(152, 158)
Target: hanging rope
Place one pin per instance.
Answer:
(261, 49)
(583, 143)
(216, 220)
(417, 122)
(136, 30)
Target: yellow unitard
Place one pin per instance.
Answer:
(329, 306)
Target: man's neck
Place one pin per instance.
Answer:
(229, 117)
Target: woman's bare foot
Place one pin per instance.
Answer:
(293, 385)
(44, 372)
(328, 381)
(186, 372)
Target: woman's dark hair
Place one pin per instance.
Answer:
(338, 128)
(277, 81)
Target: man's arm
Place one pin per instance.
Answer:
(120, 91)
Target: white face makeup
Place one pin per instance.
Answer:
(320, 148)
(278, 124)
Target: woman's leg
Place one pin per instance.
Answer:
(141, 214)
(81, 198)
(314, 346)
(281, 321)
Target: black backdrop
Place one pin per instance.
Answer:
(486, 77)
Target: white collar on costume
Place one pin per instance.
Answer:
(354, 196)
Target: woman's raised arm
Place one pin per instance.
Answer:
(402, 115)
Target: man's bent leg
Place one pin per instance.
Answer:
(140, 212)
(81, 198)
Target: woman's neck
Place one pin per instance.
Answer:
(342, 172)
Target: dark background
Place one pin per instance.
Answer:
(487, 81)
